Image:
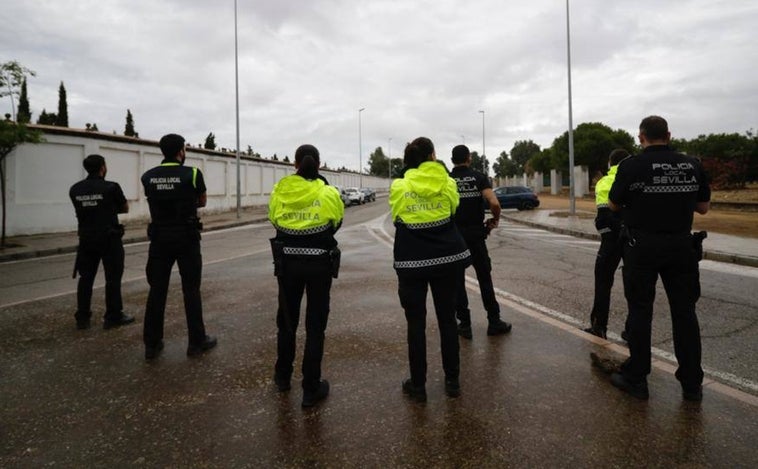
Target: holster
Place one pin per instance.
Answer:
(335, 255)
(697, 243)
(277, 251)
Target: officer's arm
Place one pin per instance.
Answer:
(489, 196)
(613, 206)
(702, 207)
(124, 208)
(202, 199)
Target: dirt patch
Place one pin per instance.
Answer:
(731, 222)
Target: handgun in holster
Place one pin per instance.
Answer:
(334, 257)
(697, 243)
(277, 251)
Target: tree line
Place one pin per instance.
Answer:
(730, 160)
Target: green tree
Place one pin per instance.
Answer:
(24, 113)
(47, 118)
(378, 163)
(593, 142)
(129, 127)
(522, 151)
(210, 142)
(540, 162)
(505, 166)
(62, 118)
(286, 159)
(12, 134)
(479, 165)
(12, 75)
(730, 159)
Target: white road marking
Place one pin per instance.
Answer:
(666, 361)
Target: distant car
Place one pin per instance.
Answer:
(343, 195)
(354, 196)
(519, 197)
(369, 194)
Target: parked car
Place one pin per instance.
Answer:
(369, 194)
(354, 196)
(343, 195)
(520, 197)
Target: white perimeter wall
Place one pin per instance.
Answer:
(38, 178)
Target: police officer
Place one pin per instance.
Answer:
(306, 213)
(608, 224)
(659, 191)
(472, 187)
(97, 203)
(174, 192)
(429, 253)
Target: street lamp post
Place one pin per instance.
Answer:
(360, 149)
(483, 167)
(572, 199)
(237, 109)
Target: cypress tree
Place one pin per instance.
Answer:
(62, 118)
(129, 129)
(24, 114)
(210, 142)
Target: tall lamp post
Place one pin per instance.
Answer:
(360, 149)
(237, 109)
(483, 151)
(572, 198)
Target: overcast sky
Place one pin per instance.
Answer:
(418, 67)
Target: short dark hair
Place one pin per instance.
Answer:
(654, 128)
(93, 163)
(418, 151)
(308, 161)
(617, 155)
(171, 145)
(460, 154)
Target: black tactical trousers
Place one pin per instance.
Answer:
(183, 247)
(480, 259)
(412, 291)
(674, 259)
(606, 263)
(92, 250)
(314, 278)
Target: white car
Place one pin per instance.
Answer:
(354, 196)
(343, 195)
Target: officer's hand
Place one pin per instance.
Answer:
(492, 223)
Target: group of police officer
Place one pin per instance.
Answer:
(656, 192)
(174, 192)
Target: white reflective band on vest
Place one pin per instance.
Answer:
(432, 262)
(304, 251)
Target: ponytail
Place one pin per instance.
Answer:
(307, 161)
(308, 168)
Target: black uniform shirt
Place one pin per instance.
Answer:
(470, 186)
(172, 192)
(659, 189)
(97, 203)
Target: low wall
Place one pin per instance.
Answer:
(38, 177)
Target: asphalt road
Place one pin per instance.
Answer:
(75, 398)
(551, 270)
